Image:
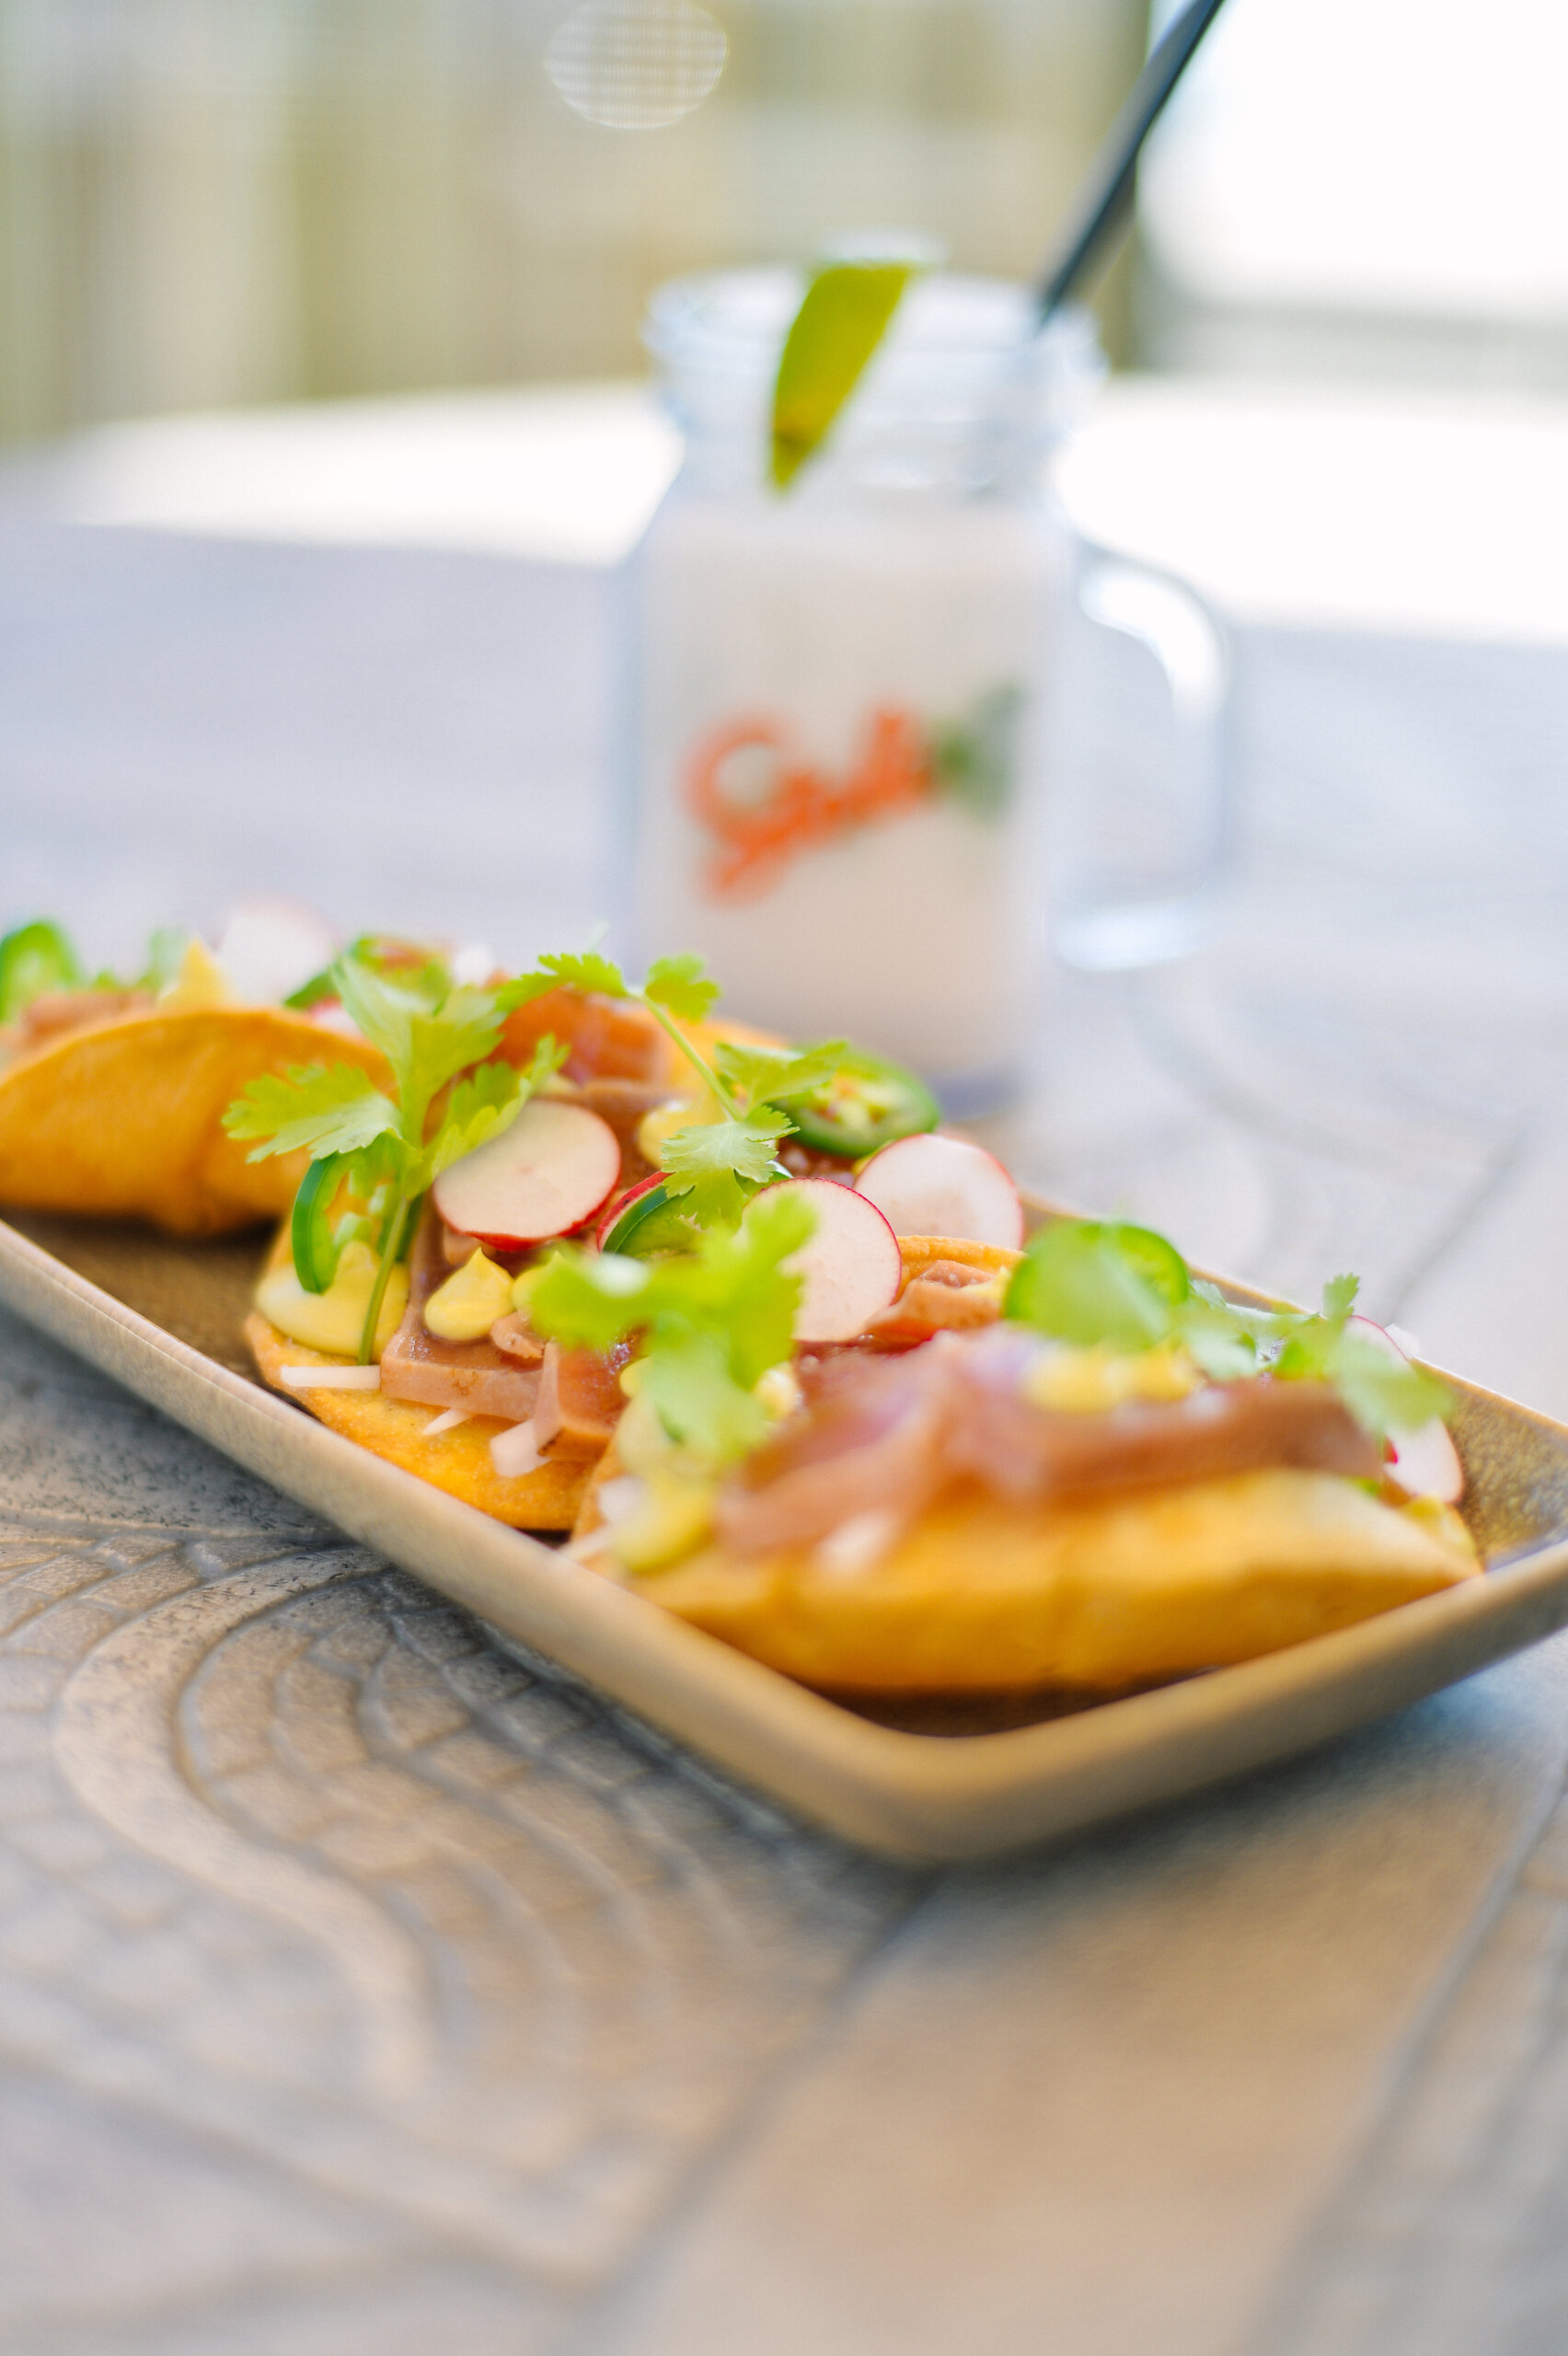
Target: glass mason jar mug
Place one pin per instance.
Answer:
(839, 720)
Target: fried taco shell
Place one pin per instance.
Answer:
(984, 1595)
(458, 1461)
(123, 1119)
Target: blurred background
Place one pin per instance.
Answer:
(208, 202)
(216, 201)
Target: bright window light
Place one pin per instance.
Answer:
(1398, 155)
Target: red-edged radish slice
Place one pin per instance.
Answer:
(1425, 1462)
(545, 1175)
(852, 1264)
(271, 947)
(938, 1185)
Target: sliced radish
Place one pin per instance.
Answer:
(940, 1185)
(545, 1175)
(852, 1264)
(473, 964)
(1425, 1462)
(271, 947)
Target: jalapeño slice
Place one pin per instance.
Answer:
(867, 1103)
(315, 1246)
(34, 960)
(648, 1223)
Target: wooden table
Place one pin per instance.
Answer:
(360, 1988)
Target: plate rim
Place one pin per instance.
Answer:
(922, 1796)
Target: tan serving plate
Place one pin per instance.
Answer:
(164, 1318)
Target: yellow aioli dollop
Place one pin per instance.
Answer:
(672, 1518)
(779, 1391)
(465, 1307)
(680, 1113)
(522, 1285)
(1084, 1382)
(673, 1515)
(199, 981)
(334, 1320)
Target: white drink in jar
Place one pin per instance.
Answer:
(836, 718)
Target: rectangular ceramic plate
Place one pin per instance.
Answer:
(164, 1318)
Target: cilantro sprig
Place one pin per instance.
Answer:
(35, 960)
(711, 1167)
(713, 1322)
(385, 1149)
(1087, 1281)
(411, 964)
(782, 1076)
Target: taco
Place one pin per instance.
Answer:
(113, 1093)
(1051, 1494)
(743, 1318)
(457, 1457)
(547, 1112)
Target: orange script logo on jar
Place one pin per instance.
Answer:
(765, 804)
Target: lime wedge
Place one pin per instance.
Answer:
(840, 323)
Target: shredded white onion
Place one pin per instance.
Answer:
(860, 1542)
(512, 1451)
(447, 1421)
(621, 1497)
(330, 1377)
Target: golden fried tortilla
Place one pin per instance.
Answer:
(986, 1596)
(458, 1461)
(123, 1119)
(920, 1252)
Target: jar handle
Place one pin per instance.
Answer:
(1149, 857)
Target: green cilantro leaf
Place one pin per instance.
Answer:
(431, 1035)
(481, 1105)
(166, 951)
(746, 1148)
(711, 1168)
(714, 1321)
(332, 1112)
(1383, 1393)
(780, 1075)
(34, 961)
(425, 1046)
(383, 1013)
(680, 984)
(1087, 1281)
(710, 1198)
(1386, 1394)
(675, 986)
(1339, 1298)
(464, 1028)
(583, 970)
(1217, 1339)
(487, 1102)
(416, 969)
(590, 1300)
(699, 1403)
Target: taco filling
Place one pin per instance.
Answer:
(776, 1350)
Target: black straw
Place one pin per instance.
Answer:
(1107, 195)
